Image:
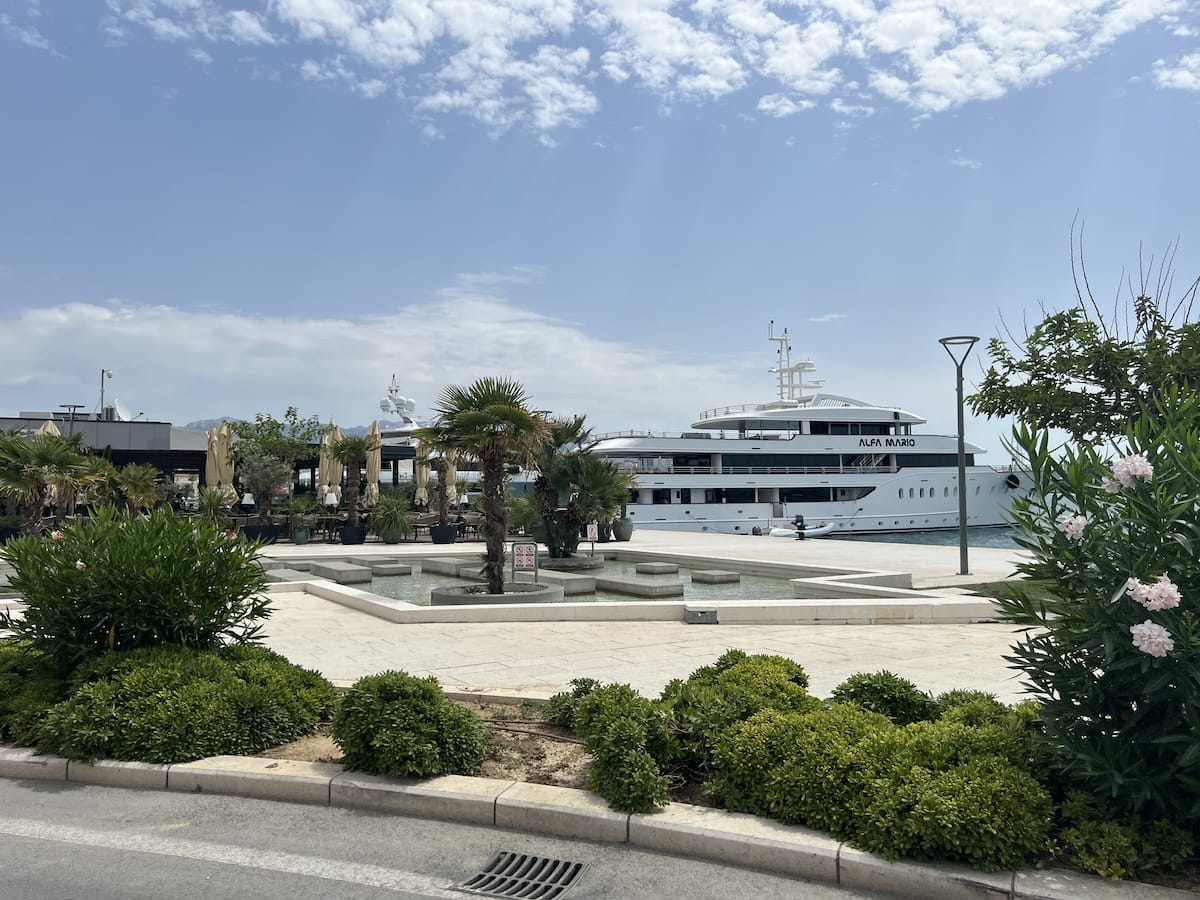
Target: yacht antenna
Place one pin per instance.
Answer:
(790, 377)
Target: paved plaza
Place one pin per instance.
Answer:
(541, 658)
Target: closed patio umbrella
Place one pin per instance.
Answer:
(374, 464)
(329, 470)
(48, 427)
(223, 458)
(452, 483)
(420, 477)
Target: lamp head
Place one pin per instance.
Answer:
(959, 343)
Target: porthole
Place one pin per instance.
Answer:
(922, 493)
(910, 493)
(976, 490)
(900, 493)
(945, 492)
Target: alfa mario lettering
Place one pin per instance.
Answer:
(887, 442)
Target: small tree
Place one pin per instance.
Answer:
(139, 483)
(1089, 374)
(267, 450)
(489, 421)
(31, 467)
(351, 451)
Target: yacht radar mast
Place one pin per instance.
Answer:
(791, 377)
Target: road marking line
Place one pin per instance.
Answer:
(289, 863)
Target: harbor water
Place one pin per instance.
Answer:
(996, 538)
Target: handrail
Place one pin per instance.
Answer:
(764, 470)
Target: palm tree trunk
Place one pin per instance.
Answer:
(495, 521)
(352, 473)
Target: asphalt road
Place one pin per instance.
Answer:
(60, 841)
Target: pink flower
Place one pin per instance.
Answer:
(1128, 470)
(80, 565)
(57, 535)
(1110, 486)
(1163, 594)
(1152, 639)
(1071, 526)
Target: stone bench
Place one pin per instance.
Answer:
(342, 573)
(275, 576)
(458, 566)
(573, 583)
(638, 587)
(657, 568)
(715, 576)
(389, 568)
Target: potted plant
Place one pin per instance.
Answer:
(390, 521)
(265, 456)
(489, 421)
(445, 531)
(212, 505)
(302, 515)
(622, 526)
(31, 466)
(351, 451)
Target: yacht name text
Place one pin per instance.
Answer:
(887, 442)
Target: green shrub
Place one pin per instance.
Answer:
(173, 704)
(956, 697)
(884, 692)
(560, 710)
(627, 734)
(1113, 849)
(399, 725)
(1110, 640)
(30, 683)
(718, 696)
(122, 582)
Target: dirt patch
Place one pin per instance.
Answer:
(519, 746)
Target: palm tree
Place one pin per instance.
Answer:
(31, 466)
(352, 451)
(489, 421)
(139, 484)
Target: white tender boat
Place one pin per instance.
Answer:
(844, 465)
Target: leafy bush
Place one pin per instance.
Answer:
(1114, 849)
(121, 582)
(396, 724)
(736, 687)
(883, 692)
(560, 710)
(30, 683)
(627, 734)
(951, 699)
(173, 704)
(1112, 633)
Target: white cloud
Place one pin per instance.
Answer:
(431, 132)
(184, 365)
(963, 162)
(1183, 74)
(201, 56)
(826, 317)
(780, 105)
(28, 35)
(535, 63)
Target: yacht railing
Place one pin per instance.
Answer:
(719, 411)
(763, 470)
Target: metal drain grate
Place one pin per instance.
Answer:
(522, 875)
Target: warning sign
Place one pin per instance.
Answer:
(593, 531)
(525, 557)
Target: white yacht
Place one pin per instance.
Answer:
(818, 461)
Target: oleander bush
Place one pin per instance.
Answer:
(884, 692)
(169, 704)
(1117, 849)
(123, 582)
(396, 724)
(1112, 640)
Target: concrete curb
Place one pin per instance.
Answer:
(681, 830)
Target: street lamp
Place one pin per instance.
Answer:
(954, 345)
(104, 373)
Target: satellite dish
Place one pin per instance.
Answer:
(121, 412)
(410, 405)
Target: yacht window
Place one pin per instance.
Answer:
(900, 493)
(874, 428)
(661, 495)
(976, 490)
(839, 428)
(819, 428)
(851, 493)
(710, 495)
(922, 493)
(945, 492)
(805, 495)
(685, 495)
(739, 495)
(910, 493)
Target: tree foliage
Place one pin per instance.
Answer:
(1087, 372)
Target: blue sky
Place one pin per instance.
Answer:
(242, 205)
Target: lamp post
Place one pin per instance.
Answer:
(953, 345)
(104, 373)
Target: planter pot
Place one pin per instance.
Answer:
(572, 563)
(603, 534)
(391, 536)
(443, 534)
(514, 592)
(301, 534)
(622, 529)
(353, 534)
(268, 533)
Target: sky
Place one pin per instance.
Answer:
(241, 205)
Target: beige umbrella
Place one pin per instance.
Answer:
(421, 477)
(452, 483)
(221, 450)
(48, 427)
(329, 470)
(374, 464)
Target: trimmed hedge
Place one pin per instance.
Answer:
(399, 725)
(171, 704)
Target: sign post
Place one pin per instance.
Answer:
(524, 558)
